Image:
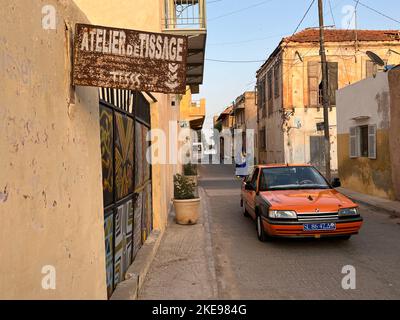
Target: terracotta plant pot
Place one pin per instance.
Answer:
(187, 211)
(192, 179)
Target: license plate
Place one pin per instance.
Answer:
(319, 226)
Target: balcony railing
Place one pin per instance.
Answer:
(185, 14)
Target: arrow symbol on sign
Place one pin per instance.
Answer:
(172, 85)
(173, 67)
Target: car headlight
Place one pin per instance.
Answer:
(347, 212)
(282, 214)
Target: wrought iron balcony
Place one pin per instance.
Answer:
(185, 14)
(188, 18)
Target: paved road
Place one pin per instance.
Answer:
(295, 269)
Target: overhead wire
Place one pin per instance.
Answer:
(240, 10)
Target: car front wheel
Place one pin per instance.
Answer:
(245, 213)
(261, 234)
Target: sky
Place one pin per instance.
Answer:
(250, 30)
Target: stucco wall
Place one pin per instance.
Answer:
(367, 98)
(50, 182)
(130, 14)
(394, 131)
(251, 118)
(295, 145)
(143, 15)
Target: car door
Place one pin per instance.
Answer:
(251, 194)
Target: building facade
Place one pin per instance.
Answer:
(82, 194)
(368, 135)
(289, 103)
(245, 113)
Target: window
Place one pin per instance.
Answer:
(261, 98)
(254, 178)
(315, 83)
(262, 139)
(291, 178)
(263, 182)
(363, 141)
(270, 98)
(332, 82)
(276, 80)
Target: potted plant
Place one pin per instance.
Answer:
(190, 171)
(186, 204)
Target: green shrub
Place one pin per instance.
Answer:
(183, 188)
(190, 169)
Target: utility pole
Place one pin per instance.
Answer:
(325, 94)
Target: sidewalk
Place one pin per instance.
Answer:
(389, 206)
(183, 267)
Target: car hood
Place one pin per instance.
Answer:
(307, 201)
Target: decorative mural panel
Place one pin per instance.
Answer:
(118, 246)
(138, 155)
(137, 224)
(106, 135)
(126, 185)
(109, 231)
(128, 234)
(123, 155)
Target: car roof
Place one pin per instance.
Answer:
(282, 165)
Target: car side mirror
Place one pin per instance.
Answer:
(249, 186)
(336, 183)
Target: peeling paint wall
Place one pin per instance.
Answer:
(368, 99)
(394, 131)
(143, 15)
(50, 181)
(292, 124)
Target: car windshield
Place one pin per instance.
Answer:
(286, 178)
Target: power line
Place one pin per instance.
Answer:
(240, 10)
(305, 15)
(376, 11)
(235, 61)
(331, 11)
(246, 41)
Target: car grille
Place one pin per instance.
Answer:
(308, 217)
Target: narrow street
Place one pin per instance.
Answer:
(295, 269)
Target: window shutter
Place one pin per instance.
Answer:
(313, 84)
(353, 142)
(332, 82)
(370, 69)
(372, 142)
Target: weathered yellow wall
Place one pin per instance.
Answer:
(161, 115)
(394, 131)
(143, 15)
(130, 14)
(50, 182)
(364, 175)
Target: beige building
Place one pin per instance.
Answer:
(224, 123)
(368, 118)
(226, 119)
(289, 82)
(245, 113)
(68, 215)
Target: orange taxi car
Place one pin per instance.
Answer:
(297, 201)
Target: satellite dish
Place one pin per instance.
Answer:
(375, 58)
